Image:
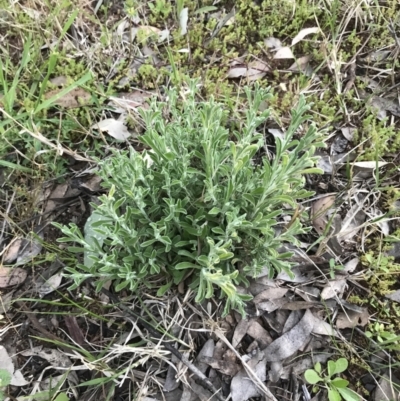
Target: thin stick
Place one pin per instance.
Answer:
(249, 370)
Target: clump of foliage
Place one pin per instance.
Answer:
(196, 205)
(382, 138)
(336, 386)
(385, 336)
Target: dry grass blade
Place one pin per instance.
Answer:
(156, 335)
(57, 147)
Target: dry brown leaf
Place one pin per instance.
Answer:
(256, 288)
(50, 285)
(228, 367)
(12, 276)
(12, 251)
(272, 305)
(291, 341)
(291, 321)
(303, 33)
(56, 358)
(277, 133)
(219, 350)
(171, 381)
(333, 288)
(308, 293)
(284, 53)
(58, 195)
(221, 353)
(300, 64)
(74, 330)
(351, 224)
(240, 332)
(323, 328)
(126, 101)
(115, 128)
(75, 98)
(230, 356)
(382, 105)
(7, 364)
(297, 276)
(273, 43)
(262, 336)
(351, 265)
(366, 169)
(269, 294)
(369, 165)
(351, 319)
(275, 371)
(394, 296)
(325, 164)
(385, 391)
(319, 212)
(250, 367)
(91, 183)
(206, 351)
(242, 387)
(183, 20)
(253, 71)
(30, 248)
(348, 133)
(333, 242)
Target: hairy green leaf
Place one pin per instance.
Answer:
(199, 198)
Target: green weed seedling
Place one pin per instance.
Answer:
(196, 205)
(5, 380)
(336, 386)
(333, 267)
(384, 336)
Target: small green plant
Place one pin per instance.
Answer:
(196, 204)
(336, 386)
(384, 336)
(333, 267)
(5, 380)
(161, 8)
(130, 7)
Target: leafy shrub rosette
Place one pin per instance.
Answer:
(195, 205)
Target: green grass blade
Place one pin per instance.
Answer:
(47, 103)
(15, 166)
